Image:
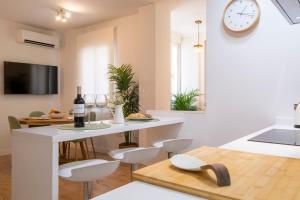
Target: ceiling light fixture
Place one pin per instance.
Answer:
(62, 15)
(198, 47)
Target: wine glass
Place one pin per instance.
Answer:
(90, 101)
(101, 103)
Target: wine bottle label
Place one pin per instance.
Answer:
(78, 110)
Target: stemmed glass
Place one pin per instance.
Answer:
(90, 101)
(101, 103)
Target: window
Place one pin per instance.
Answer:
(187, 67)
(175, 68)
(95, 53)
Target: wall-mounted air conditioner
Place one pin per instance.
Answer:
(39, 39)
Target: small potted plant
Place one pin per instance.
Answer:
(127, 90)
(185, 101)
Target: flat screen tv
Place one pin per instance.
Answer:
(24, 78)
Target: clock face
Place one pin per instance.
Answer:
(240, 15)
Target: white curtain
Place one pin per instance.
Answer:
(95, 50)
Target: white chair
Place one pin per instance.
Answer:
(87, 171)
(173, 146)
(135, 156)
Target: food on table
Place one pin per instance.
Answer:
(139, 116)
(55, 114)
(54, 111)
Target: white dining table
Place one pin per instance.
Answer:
(35, 156)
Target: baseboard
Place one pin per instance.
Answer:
(4, 152)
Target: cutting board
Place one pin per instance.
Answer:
(253, 176)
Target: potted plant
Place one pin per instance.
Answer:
(185, 101)
(127, 89)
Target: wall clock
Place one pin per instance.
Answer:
(241, 15)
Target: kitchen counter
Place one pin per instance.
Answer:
(241, 144)
(35, 155)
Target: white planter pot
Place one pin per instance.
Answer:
(119, 116)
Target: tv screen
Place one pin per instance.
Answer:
(24, 78)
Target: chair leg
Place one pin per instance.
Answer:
(87, 190)
(64, 149)
(171, 154)
(133, 167)
(83, 150)
(76, 151)
(87, 149)
(59, 151)
(92, 142)
(69, 149)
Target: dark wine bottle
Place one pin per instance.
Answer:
(78, 109)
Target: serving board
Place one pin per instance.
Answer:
(45, 122)
(253, 176)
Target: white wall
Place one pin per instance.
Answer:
(162, 54)
(146, 56)
(250, 78)
(257, 72)
(21, 105)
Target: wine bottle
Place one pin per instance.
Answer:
(78, 109)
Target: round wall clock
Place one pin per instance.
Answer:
(241, 15)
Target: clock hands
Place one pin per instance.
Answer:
(248, 14)
(244, 9)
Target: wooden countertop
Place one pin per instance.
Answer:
(44, 122)
(253, 176)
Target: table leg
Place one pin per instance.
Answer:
(34, 168)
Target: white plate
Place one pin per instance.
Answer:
(186, 162)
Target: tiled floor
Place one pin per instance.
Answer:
(68, 190)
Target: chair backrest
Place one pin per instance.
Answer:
(176, 145)
(13, 123)
(36, 114)
(92, 117)
(140, 155)
(93, 171)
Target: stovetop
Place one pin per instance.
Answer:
(279, 136)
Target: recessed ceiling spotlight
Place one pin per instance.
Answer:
(68, 15)
(62, 15)
(58, 17)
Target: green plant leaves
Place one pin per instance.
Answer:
(127, 89)
(185, 101)
(122, 76)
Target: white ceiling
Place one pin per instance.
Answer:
(41, 13)
(183, 16)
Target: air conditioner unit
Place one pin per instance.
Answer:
(39, 39)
